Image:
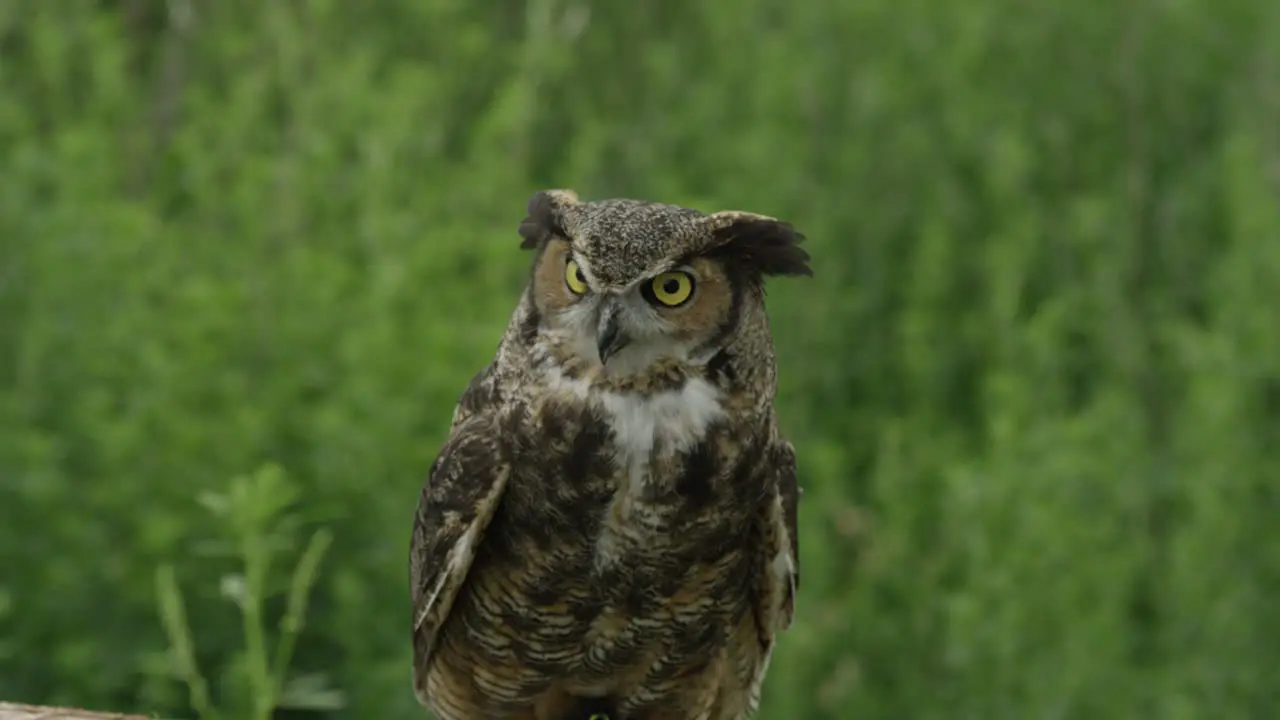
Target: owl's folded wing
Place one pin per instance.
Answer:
(779, 576)
(462, 492)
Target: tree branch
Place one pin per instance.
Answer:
(13, 711)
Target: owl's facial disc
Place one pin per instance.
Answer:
(627, 323)
(645, 312)
(648, 320)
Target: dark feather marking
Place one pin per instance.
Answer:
(547, 589)
(525, 623)
(529, 325)
(610, 582)
(719, 369)
(671, 581)
(535, 526)
(785, 462)
(584, 611)
(533, 318)
(456, 497)
(643, 598)
(589, 708)
(542, 222)
(715, 547)
(767, 247)
(479, 394)
(500, 546)
(694, 483)
(625, 651)
(690, 646)
(587, 445)
(759, 579)
(738, 287)
(554, 424)
(747, 482)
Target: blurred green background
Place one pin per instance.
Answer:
(251, 252)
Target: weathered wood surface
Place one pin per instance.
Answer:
(13, 711)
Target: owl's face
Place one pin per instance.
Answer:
(671, 310)
(620, 285)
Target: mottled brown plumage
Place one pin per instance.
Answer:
(611, 525)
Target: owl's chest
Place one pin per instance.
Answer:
(621, 538)
(631, 478)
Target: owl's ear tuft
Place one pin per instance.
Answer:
(545, 216)
(767, 245)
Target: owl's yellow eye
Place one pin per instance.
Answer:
(574, 278)
(671, 289)
(598, 716)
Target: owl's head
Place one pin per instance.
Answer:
(625, 284)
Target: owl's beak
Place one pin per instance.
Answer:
(610, 338)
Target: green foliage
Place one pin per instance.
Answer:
(1034, 386)
(257, 523)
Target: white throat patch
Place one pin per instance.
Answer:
(667, 422)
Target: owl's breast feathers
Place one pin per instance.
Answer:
(605, 546)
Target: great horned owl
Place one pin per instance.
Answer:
(610, 528)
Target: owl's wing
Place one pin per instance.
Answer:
(779, 576)
(462, 492)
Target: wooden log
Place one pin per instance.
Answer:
(14, 711)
